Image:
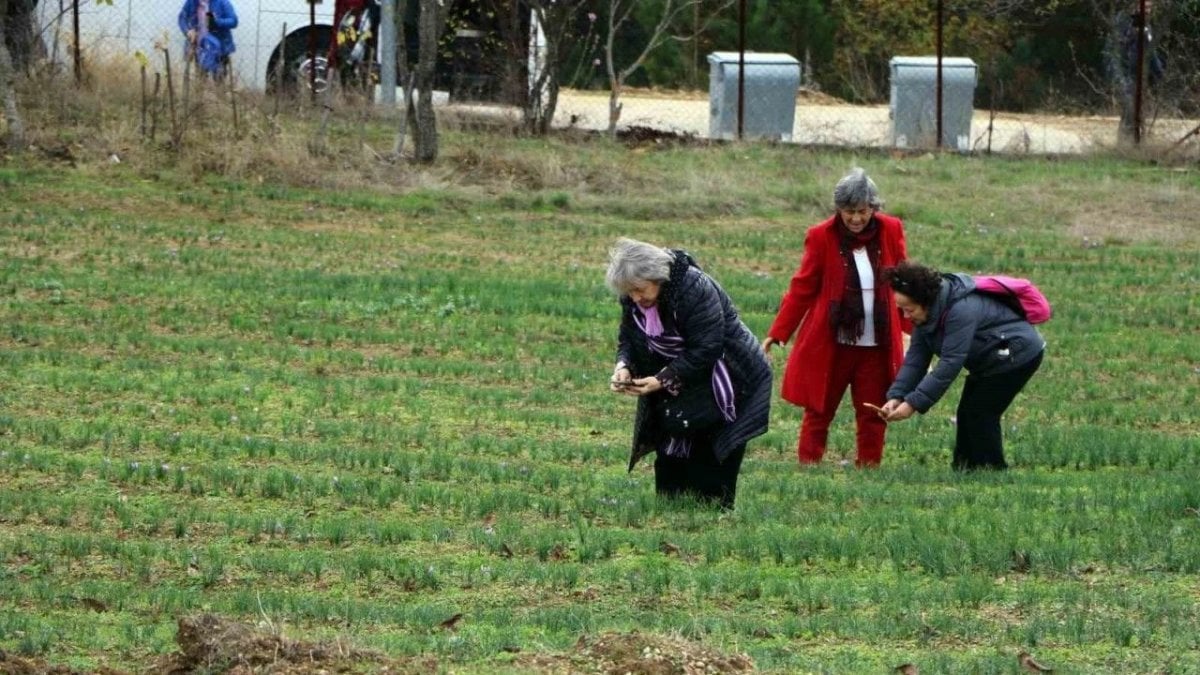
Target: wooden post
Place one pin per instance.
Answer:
(142, 123)
(233, 100)
(154, 106)
(171, 97)
(75, 28)
(281, 67)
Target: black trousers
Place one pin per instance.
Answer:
(979, 443)
(700, 475)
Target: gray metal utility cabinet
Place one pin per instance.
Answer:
(769, 110)
(914, 101)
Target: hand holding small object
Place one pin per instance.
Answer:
(620, 380)
(643, 386)
(896, 410)
(876, 408)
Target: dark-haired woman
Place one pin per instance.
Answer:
(999, 349)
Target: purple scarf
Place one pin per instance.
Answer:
(670, 345)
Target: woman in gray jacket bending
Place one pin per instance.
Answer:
(997, 346)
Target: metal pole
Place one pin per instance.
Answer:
(695, 44)
(939, 74)
(281, 66)
(387, 54)
(312, 50)
(741, 92)
(1139, 61)
(75, 28)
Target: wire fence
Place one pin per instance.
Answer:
(1091, 86)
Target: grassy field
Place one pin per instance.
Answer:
(355, 413)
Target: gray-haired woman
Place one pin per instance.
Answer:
(848, 332)
(702, 382)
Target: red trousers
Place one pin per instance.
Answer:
(866, 370)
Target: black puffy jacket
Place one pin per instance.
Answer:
(694, 305)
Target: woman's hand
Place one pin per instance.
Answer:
(897, 410)
(767, 343)
(643, 386)
(621, 379)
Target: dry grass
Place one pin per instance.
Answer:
(1157, 216)
(484, 154)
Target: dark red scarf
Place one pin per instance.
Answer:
(847, 316)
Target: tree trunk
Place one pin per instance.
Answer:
(552, 88)
(14, 138)
(19, 36)
(542, 96)
(425, 141)
(614, 108)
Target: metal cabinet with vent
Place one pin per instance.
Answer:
(769, 109)
(914, 101)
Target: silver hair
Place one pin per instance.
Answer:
(631, 261)
(856, 189)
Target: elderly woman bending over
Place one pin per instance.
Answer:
(702, 382)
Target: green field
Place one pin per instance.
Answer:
(356, 413)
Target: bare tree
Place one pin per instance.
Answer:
(1169, 82)
(14, 138)
(619, 12)
(429, 25)
(559, 22)
(23, 46)
(405, 76)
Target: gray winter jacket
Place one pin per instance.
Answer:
(965, 330)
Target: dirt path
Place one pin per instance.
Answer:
(861, 126)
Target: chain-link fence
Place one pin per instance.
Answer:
(269, 33)
(1016, 76)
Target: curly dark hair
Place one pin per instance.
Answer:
(915, 280)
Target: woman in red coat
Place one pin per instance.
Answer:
(850, 330)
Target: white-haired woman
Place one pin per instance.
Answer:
(849, 328)
(702, 382)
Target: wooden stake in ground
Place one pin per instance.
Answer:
(154, 106)
(171, 97)
(233, 100)
(318, 143)
(280, 67)
(145, 102)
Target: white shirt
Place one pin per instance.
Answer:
(866, 277)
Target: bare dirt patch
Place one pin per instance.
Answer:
(617, 653)
(642, 135)
(209, 644)
(1136, 219)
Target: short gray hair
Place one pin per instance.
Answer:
(631, 261)
(856, 189)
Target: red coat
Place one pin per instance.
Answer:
(817, 283)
